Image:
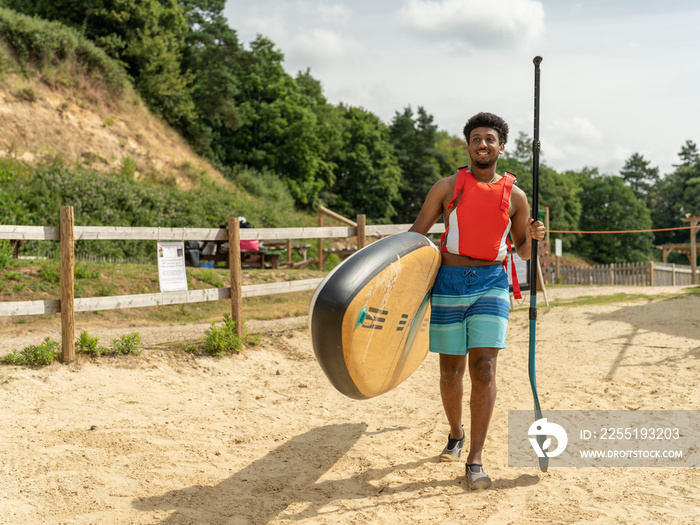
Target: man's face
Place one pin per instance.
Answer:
(484, 147)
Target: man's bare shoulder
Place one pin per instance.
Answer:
(445, 185)
(516, 191)
(518, 201)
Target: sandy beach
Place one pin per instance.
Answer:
(262, 437)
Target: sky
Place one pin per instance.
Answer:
(617, 77)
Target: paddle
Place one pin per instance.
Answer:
(544, 461)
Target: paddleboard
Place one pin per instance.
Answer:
(369, 317)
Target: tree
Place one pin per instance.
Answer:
(212, 57)
(609, 204)
(639, 175)
(689, 153)
(678, 193)
(422, 164)
(453, 149)
(560, 192)
(367, 175)
(146, 36)
(279, 129)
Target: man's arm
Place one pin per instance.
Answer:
(432, 207)
(523, 228)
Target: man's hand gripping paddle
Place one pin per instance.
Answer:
(544, 461)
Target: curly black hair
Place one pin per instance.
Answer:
(487, 120)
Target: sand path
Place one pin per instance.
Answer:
(262, 437)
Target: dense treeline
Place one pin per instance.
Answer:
(239, 108)
(34, 195)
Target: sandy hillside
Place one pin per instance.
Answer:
(85, 124)
(262, 437)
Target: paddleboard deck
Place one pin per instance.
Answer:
(369, 318)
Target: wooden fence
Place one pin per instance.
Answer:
(67, 233)
(633, 274)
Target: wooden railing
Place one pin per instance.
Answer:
(634, 274)
(67, 234)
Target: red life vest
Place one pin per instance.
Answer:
(478, 227)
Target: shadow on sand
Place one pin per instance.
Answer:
(291, 476)
(657, 316)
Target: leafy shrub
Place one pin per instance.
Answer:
(83, 271)
(89, 345)
(34, 196)
(38, 42)
(50, 272)
(221, 340)
(5, 254)
(34, 355)
(127, 344)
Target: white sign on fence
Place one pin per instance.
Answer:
(522, 270)
(171, 267)
(557, 247)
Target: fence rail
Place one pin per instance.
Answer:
(67, 233)
(631, 274)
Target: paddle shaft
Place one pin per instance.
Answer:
(544, 462)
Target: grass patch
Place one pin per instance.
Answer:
(597, 300)
(101, 279)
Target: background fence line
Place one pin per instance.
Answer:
(630, 274)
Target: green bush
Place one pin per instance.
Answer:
(40, 43)
(50, 271)
(35, 355)
(114, 200)
(89, 345)
(127, 344)
(83, 271)
(221, 340)
(5, 254)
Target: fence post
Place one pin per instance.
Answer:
(67, 239)
(673, 274)
(234, 263)
(320, 240)
(651, 273)
(361, 238)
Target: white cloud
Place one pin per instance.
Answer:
(308, 48)
(492, 24)
(323, 45)
(332, 12)
(574, 142)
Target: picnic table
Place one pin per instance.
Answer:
(300, 247)
(262, 259)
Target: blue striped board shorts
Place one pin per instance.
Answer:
(469, 309)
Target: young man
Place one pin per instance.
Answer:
(470, 299)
